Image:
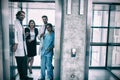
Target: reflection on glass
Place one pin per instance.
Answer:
(99, 35)
(97, 55)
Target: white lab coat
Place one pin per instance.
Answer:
(19, 31)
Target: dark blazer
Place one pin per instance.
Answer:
(31, 46)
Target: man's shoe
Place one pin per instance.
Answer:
(29, 78)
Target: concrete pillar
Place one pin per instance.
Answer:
(58, 38)
(72, 32)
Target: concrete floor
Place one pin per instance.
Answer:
(94, 74)
(100, 74)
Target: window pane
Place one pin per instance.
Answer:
(97, 56)
(113, 56)
(25, 19)
(115, 19)
(114, 35)
(99, 35)
(36, 15)
(101, 7)
(100, 18)
(100, 15)
(114, 60)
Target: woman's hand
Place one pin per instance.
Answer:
(15, 47)
(27, 34)
(29, 40)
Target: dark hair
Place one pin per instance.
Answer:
(19, 13)
(30, 22)
(44, 16)
(50, 25)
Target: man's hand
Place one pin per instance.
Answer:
(15, 47)
(42, 35)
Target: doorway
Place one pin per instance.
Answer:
(35, 11)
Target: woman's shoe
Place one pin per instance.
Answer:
(30, 70)
(41, 79)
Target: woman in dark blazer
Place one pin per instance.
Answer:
(31, 34)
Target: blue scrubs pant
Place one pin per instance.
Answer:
(46, 62)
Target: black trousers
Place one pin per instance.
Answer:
(22, 67)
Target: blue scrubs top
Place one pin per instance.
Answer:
(48, 42)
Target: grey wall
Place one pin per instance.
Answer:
(1, 58)
(74, 37)
(4, 41)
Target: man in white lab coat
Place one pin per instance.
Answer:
(20, 47)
